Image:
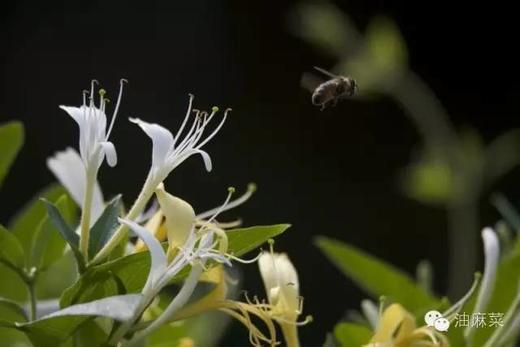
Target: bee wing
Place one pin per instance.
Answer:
(325, 72)
(310, 81)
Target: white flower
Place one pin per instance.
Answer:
(161, 271)
(69, 169)
(195, 251)
(283, 292)
(492, 257)
(170, 151)
(93, 133)
(281, 285)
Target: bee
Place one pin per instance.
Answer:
(330, 91)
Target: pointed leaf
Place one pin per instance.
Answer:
(11, 311)
(55, 328)
(48, 246)
(104, 227)
(25, 222)
(375, 276)
(11, 141)
(244, 240)
(11, 251)
(67, 234)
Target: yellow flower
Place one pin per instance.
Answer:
(179, 217)
(397, 328)
(242, 311)
(203, 221)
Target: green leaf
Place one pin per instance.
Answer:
(132, 270)
(375, 276)
(244, 240)
(11, 251)
(104, 227)
(11, 284)
(352, 335)
(90, 334)
(48, 246)
(25, 223)
(11, 141)
(13, 338)
(59, 326)
(12, 261)
(11, 311)
(67, 234)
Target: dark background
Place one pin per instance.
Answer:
(332, 172)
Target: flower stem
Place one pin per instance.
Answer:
(85, 215)
(290, 334)
(32, 297)
(178, 302)
(138, 207)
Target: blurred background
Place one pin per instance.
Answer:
(338, 172)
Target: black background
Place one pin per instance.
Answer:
(332, 172)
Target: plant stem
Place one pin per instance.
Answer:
(32, 298)
(86, 215)
(138, 207)
(178, 302)
(290, 334)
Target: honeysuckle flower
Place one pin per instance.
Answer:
(158, 226)
(197, 249)
(397, 328)
(93, 132)
(179, 216)
(217, 299)
(69, 169)
(170, 151)
(94, 147)
(282, 289)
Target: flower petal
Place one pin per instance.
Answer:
(158, 257)
(77, 113)
(179, 215)
(69, 169)
(110, 152)
(492, 255)
(266, 265)
(162, 141)
(205, 157)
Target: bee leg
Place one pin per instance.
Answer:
(323, 105)
(334, 102)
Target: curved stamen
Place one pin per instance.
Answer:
(217, 129)
(251, 188)
(85, 93)
(92, 83)
(179, 132)
(116, 110)
(244, 261)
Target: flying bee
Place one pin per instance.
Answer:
(330, 91)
